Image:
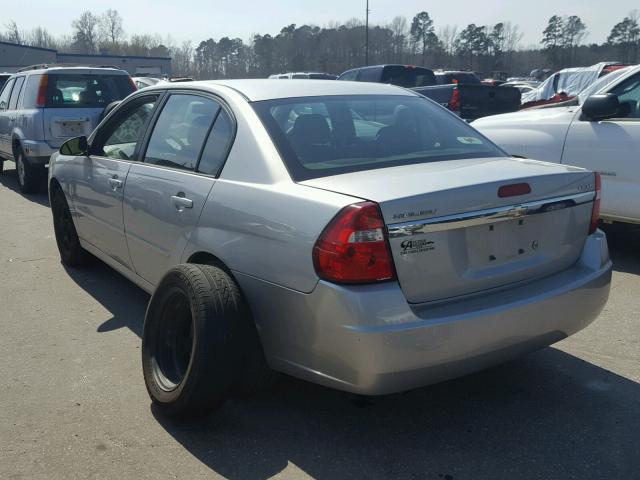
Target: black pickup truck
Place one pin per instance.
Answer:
(467, 98)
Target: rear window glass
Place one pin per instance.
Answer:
(408, 76)
(86, 90)
(322, 136)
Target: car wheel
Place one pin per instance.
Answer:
(194, 341)
(28, 175)
(71, 253)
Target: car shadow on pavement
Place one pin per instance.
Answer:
(9, 179)
(624, 247)
(549, 415)
(122, 298)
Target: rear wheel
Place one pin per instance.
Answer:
(29, 176)
(195, 338)
(71, 253)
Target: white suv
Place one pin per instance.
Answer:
(43, 106)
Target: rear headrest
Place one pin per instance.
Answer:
(404, 117)
(311, 128)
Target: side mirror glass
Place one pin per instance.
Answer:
(75, 146)
(601, 107)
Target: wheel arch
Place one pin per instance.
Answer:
(207, 258)
(15, 145)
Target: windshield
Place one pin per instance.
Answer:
(86, 90)
(601, 83)
(322, 136)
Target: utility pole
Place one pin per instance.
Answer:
(366, 37)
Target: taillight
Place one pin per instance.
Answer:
(42, 91)
(454, 103)
(354, 248)
(133, 84)
(595, 212)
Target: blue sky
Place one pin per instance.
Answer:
(199, 19)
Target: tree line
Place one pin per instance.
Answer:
(338, 46)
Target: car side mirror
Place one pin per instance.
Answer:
(75, 146)
(601, 107)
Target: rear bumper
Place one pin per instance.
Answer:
(37, 152)
(369, 340)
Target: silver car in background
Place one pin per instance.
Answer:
(43, 106)
(356, 235)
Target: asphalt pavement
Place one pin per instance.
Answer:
(73, 402)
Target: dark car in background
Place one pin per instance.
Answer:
(467, 99)
(459, 76)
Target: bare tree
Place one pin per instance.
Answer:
(13, 34)
(111, 26)
(399, 31)
(86, 35)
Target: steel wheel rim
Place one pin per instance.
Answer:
(174, 341)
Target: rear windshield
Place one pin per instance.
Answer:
(323, 136)
(86, 90)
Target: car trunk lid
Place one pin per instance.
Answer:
(451, 234)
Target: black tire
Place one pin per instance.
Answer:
(194, 340)
(1, 166)
(71, 253)
(29, 176)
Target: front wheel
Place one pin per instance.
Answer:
(196, 332)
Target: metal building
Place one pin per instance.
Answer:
(14, 57)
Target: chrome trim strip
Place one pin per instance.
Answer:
(482, 217)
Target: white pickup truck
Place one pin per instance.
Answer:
(598, 130)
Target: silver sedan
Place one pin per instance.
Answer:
(356, 235)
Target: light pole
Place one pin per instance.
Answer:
(366, 36)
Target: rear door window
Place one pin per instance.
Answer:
(180, 131)
(408, 76)
(369, 75)
(6, 93)
(17, 88)
(70, 90)
(217, 146)
(351, 75)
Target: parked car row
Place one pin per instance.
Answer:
(599, 131)
(355, 234)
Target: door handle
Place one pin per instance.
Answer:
(181, 202)
(115, 183)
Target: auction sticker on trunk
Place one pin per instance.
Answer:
(470, 140)
(416, 246)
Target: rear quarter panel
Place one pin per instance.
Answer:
(256, 220)
(266, 231)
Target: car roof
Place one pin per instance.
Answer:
(255, 90)
(76, 69)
